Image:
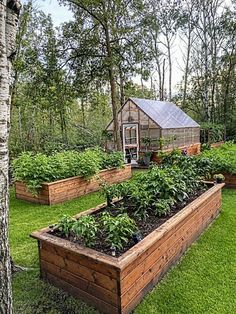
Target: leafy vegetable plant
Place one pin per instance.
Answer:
(64, 226)
(34, 170)
(222, 159)
(119, 229)
(163, 206)
(86, 228)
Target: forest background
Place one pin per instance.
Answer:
(70, 80)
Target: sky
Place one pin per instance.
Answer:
(59, 13)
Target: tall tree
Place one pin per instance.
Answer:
(110, 25)
(167, 15)
(206, 52)
(44, 98)
(187, 36)
(9, 13)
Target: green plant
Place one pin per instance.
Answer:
(147, 154)
(147, 142)
(86, 228)
(219, 178)
(222, 159)
(64, 225)
(110, 192)
(163, 206)
(205, 146)
(34, 170)
(143, 200)
(112, 160)
(163, 141)
(90, 162)
(160, 187)
(119, 229)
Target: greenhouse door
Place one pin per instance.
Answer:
(130, 143)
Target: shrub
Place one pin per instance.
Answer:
(156, 190)
(163, 207)
(33, 170)
(219, 178)
(89, 163)
(211, 132)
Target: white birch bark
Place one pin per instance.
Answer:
(9, 11)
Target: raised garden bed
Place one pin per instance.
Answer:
(70, 188)
(117, 285)
(222, 160)
(191, 150)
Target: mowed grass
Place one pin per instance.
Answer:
(204, 281)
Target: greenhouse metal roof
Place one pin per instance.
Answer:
(166, 114)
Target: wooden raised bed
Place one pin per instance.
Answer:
(193, 149)
(117, 285)
(67, 189)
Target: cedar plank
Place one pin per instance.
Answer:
(31, 199)
(138, 298)
(82, 260)
(76, 292)
(81, 283)
(80, 270)
(30, 196)
(69, 188)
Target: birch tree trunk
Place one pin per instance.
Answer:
(9, 12)
(170, 67)
(186, 72)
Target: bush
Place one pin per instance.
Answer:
(118, 230)
(34, 170)
(151, 193)
(64, 225)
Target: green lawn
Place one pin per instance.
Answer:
(203, 282)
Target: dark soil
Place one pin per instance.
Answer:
(145, 227)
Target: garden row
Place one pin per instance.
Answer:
(213, 163)
(112, 255)
(63, 176)
(67, 175)
(222, 160)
